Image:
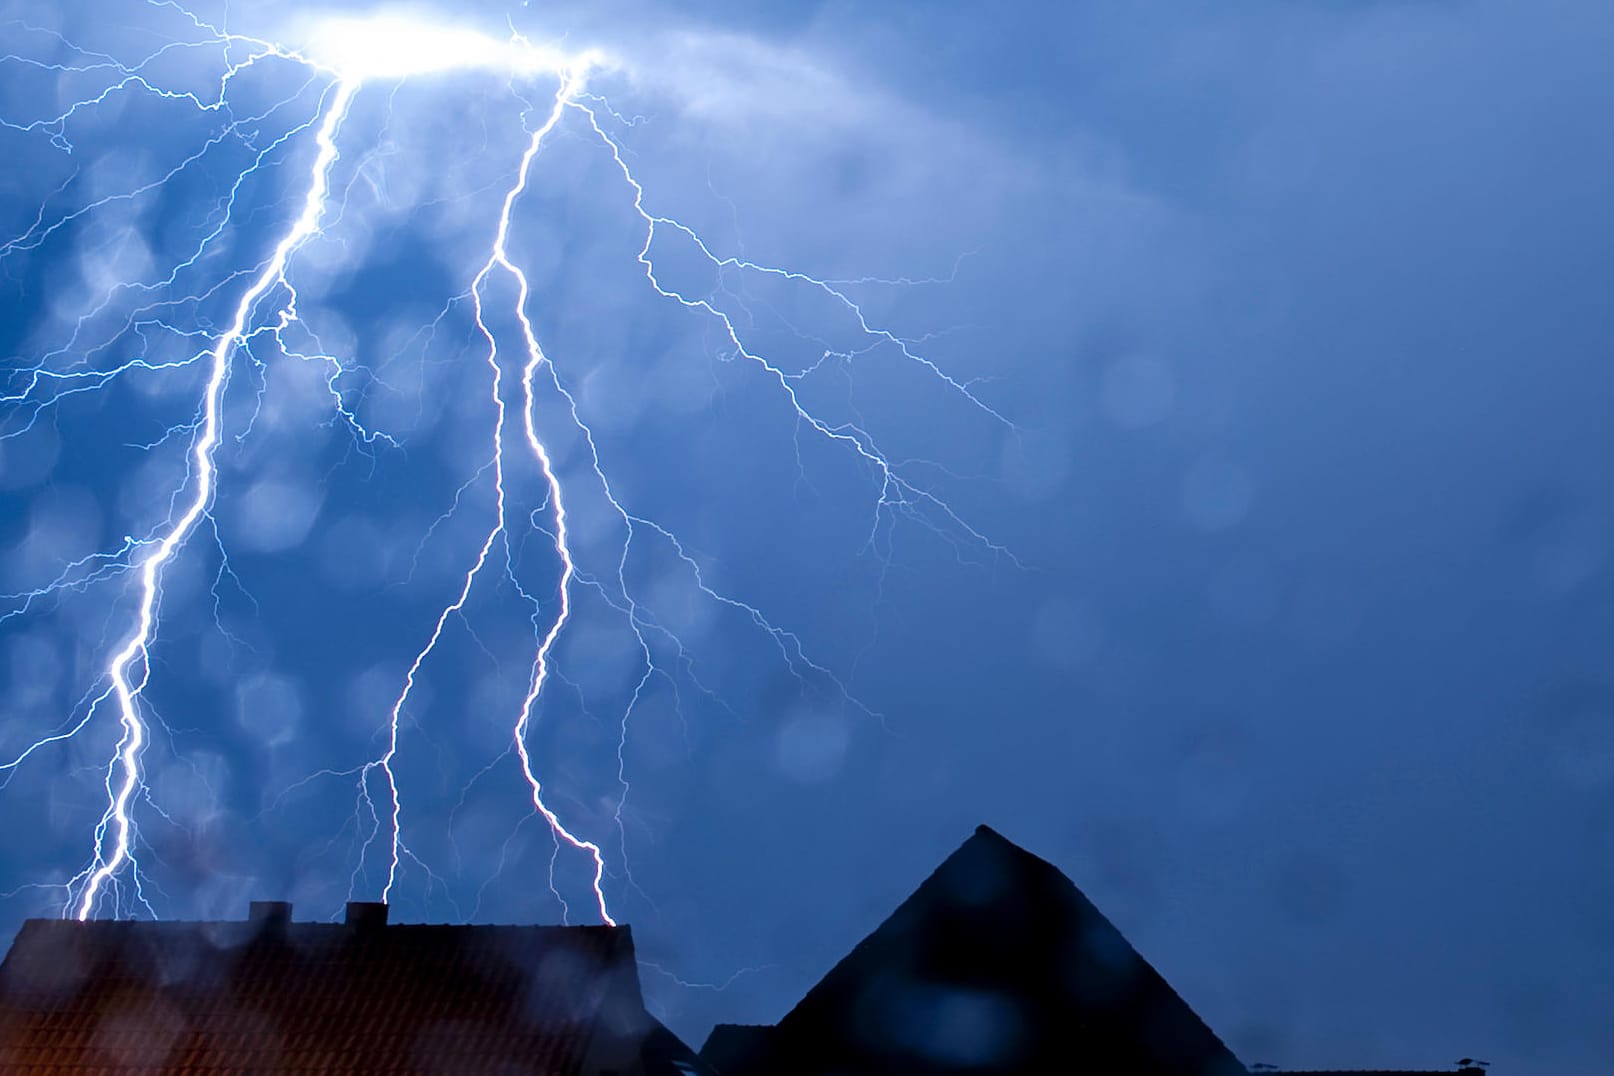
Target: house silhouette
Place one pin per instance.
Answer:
(996, 965)
(271, 996)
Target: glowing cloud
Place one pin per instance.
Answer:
(400, 46)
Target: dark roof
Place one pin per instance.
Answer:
(274, 996)
(996, 964)
(736, 1047)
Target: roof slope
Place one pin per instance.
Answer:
(737, 1048)
(268, 996)
(996, 964)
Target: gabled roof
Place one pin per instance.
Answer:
(274, 996)
(996, 964)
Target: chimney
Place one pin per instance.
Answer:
(269, 916)
(364, 915)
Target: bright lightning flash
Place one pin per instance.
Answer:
(386, 47)
(344, 56)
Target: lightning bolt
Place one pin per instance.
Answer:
(339, 57)
(499, 260)
(130, 667)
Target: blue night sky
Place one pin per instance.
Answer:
(1181, 442)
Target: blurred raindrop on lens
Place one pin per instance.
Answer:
(1310, 889)
(35, 670)
(1557, 538)
(1213, 780)
(811, 747)
(275, 515)
(1581, 723)
(957, 1027)
(355, 554)
(1138, 391)
(269, 707)
(30, 457)
(1216, 494)
(1035, 464)
(1066, 634)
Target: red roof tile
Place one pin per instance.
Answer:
(207, 998)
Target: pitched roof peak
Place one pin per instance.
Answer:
(987, 847)
(999, 940)
(986, 834)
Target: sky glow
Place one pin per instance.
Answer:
(393, 46)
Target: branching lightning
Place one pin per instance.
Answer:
(124, 773)
(341, 60)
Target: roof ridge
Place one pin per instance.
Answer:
(94, 923)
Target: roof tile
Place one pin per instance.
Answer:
(206, 998)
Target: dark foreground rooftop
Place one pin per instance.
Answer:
(996, 964)
(269, 995)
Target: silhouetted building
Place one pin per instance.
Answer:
(997, 964)
(269, 995)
